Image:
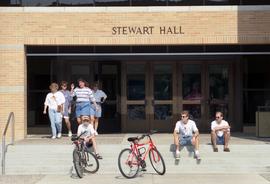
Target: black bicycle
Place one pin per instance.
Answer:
(83, 159)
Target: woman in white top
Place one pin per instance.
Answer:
(100, 97)
(55, 101)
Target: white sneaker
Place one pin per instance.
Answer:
(197, 156)
(53, 137)
(59, 135)
(96, 133)
(69, 133)
(177, 155)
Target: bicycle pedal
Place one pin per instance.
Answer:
(143, 169)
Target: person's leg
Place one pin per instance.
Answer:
(226, 140)
(214, 140)
(177, 145)
(96, 123)
(93, 141)
(92, 120)
(51, 117)
(78, 113)
(58, 124)
(67, 123)
(195, 143)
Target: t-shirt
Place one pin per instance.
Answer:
(68, 97)
(186, 129)
(98, 95)
(54, 99)
(215, 124)
(88, 129)
(83, 94)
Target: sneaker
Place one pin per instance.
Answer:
(53, 137)
(69, 133)
(215, 149)
(98, 156)
(96, 133)
(177, 155)
(59, 135)
(226, 149)
(197, 156)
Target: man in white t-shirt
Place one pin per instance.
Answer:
(186, 133)
(220, 132)
(88, 134)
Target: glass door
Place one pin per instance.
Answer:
(161, 90)
(192, 92)
(135, 90)
(219, 90)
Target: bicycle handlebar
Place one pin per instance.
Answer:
(148, 134)
(75, 138)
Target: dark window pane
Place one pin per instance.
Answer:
(76, 3)
(163, 82)
(254, 2)
(39, 2)
(222, 2)
(219, 82)
(148, 2)
(38, 71)
(163, 112)
(191, 83)
(194, 111)
(10, 3)
(136, 112)
(136, 82)
(184, 2)
(112, 2)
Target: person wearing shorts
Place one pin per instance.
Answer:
(186, 133)
(220, 133)
(100, 97)
(67, 105)
(83, 97)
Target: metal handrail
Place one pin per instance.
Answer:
(4, 146)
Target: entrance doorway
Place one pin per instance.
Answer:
(154, 93)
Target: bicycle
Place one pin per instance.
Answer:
(131, 159)
(83, 159)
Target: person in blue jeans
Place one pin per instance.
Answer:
(186, 133)
(55, 102)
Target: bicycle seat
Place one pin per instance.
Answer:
(132, 139)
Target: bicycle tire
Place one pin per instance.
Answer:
(92, 163)
(156, 158)
(132, 163)
(77, 163)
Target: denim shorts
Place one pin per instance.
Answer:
(184, 141)
(94, 112)
(220, 140)
(82, 109)
(65, 113)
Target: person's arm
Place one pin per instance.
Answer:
(195, 130)
(104, 96)
(45, 109)
(93, 100)
(176, 137)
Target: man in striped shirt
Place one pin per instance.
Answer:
(84, 96)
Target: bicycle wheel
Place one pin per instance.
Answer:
(128, 163)
(157, 161)
(91, 164)
(77, 163)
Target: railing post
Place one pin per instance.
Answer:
(3, 155)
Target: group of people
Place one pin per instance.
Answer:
(187, 133)
(87, 109)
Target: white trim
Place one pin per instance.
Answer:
(11, 89)
(134, 9)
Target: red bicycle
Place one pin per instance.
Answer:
(131, 159)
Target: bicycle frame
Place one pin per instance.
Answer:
(135, 151)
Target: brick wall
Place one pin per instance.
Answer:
(93, 26)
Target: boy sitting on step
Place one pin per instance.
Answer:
(89, 134)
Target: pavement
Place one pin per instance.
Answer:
(39, 160)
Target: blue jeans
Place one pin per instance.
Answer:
(56, 121)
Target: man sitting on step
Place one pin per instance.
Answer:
(220, 132)
(186, 133)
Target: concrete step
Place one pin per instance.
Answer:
(57, 159)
